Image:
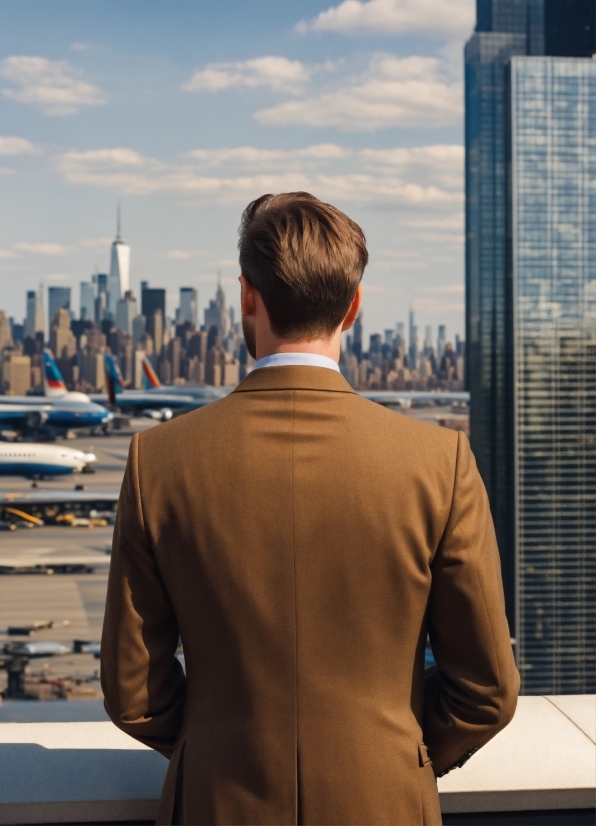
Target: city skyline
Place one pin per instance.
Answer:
(212, 106)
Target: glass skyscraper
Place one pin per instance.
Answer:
(532, 395)
(552, 140)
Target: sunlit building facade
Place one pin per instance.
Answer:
(552, 161)
(532, 395)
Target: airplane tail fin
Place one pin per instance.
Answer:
(53, 383)
(114, 381)
(149, 375)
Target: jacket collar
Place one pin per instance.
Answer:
(294, 378)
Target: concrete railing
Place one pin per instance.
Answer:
(91, 772)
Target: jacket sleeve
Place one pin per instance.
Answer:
(142, 681)
(473, 692)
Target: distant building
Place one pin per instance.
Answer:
(87, 301)
(126, 311)
(119, 281)
(441, 341)
(58, 299)
(216, 314)
(63, 344)
(5, 331)
(35, 318)
(188, 305)
(15, 373)
(152, 299)
(139, 327)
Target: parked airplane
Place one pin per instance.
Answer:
(36, 461)
(388, 398)
(157, 404)
(203, 393)
(57, 411)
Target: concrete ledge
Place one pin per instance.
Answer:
(93, 773)
(545, 759)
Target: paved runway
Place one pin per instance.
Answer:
(74, 602)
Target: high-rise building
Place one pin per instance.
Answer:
(58, 299)
(5, 331)
(87, 301)
(523, 111)
(358, 335)
(441, 341)
(216, 314)
(188, 305)
(62, 341)
(15, 373)
(553, 372)
(119, 281)
(139, 327)
(35, 318)
(570, 28)
(126, 310)
(152, 299)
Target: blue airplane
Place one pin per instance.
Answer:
(154, 404)
(57, 411)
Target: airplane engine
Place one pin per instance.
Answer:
(36, 419)
(163, 415)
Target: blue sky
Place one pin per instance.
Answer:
(186, 111)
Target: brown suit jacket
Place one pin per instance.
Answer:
(302, 542)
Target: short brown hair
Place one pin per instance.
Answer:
(305, 258)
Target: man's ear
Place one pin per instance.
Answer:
(248, 302)
(354, 309)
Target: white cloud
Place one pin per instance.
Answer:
(49, 248)
(411, 91)
(253, 157)
(10, 145)
(184, 255)
(415, 176)
(443, 17)
(53, 86)
(7, 254)
(276, 73)
(80, 47)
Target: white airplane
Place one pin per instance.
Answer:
(36, 461)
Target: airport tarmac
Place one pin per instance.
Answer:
(73, 602)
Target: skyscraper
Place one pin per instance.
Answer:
(530, 256)
(35, 318)
(188, 305)
(553, 375)
(126, 310)
(87, 301)
(152, 299)
(58, 299)
(216, 314)
(119, 281)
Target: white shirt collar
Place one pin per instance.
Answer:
(296, 359)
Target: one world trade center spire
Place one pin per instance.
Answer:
(119, 282)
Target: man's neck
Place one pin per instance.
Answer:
(330, 348)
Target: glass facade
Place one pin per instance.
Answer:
(486, 57)
(552, 152)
